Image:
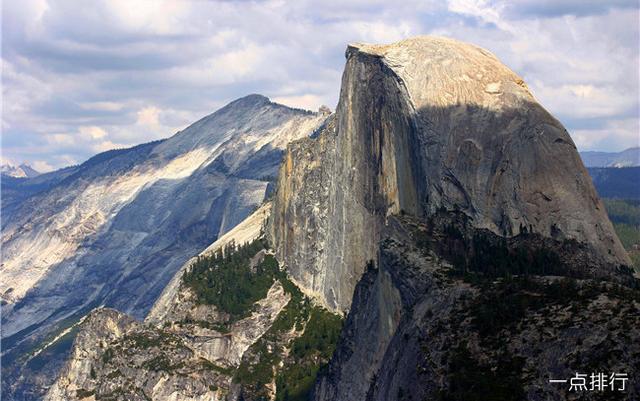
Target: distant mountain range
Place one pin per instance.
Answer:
(21, 171)
(617, 183)
(627, 158)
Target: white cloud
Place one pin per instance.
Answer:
(307, 101)
(93, 132)
(106, 145)
(487, 12)
(60, 139)
(584, 101)
(622, 133)
(78, 77)
(41, 166)
(158, 17)
(102, 106)
(148, 116)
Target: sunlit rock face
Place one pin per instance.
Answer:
(424, 124)
(115, 229)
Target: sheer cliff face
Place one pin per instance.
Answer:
(417, 330)
(424, 124)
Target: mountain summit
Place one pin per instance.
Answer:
(423, 125)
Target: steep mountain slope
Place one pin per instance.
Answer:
(192, 348)
(451, 299)
(424, 124)
(627, 158)
(115, 230)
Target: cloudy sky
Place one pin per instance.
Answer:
(81, 77)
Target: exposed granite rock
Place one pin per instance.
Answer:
(416, 331)
(424, 124)
(114, 230)
(193, 357)
(191, 350)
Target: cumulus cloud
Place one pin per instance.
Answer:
(148, 116)
(80, 78)
(41, 166)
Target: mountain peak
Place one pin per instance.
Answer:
(253, 99)
(21, 171)
(445, 72)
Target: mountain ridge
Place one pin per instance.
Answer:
(114, 230)
(21, 171)
(626, 158)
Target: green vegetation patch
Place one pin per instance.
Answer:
(309, 354)
(495, 258)
(301, 358)
(226, 279)
(161, 363)
(623, 211)
(208, 365)
(504, 304)
(82, 393)
(256, 372)
(151, 338)
(219, 327)
(625, 216)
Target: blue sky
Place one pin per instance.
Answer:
(79, 78)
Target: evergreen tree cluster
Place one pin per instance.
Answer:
(225, 278)
(495, 258)
(309, 354)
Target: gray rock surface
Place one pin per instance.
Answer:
(415, 332)
(423, 124)
(199, 358)
(178, 361)
(114, 230)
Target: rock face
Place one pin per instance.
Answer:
(198, 357)
(417, 331)
(170, 306)
(100, 327)
(114, 230)
(189, 350)
(425, 124)
(181, 361)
